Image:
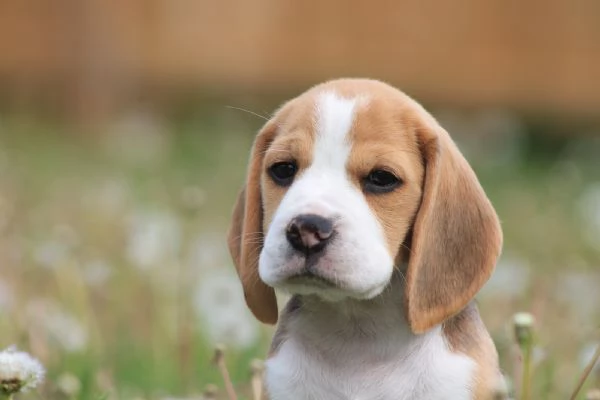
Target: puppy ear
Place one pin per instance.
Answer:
(456, 235)
(245, 237)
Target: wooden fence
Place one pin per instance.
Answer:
(541, 55)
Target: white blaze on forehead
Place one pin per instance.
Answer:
(358, 260)
(334, 117)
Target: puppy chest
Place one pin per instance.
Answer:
(301, 372)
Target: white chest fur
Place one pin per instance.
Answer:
(365, 358)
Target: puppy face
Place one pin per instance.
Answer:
(340, 186)
(345, 183)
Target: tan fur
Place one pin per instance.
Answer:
(467, 334)
(287, 135)
(294, 141)
(456, 236)
(245, 236)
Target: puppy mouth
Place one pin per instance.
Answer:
(311, 279)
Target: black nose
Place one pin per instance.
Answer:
(309, 233)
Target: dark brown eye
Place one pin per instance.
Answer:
(380, 181)
(283, 172)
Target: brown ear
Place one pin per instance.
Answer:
(245, 236)
(456, 236)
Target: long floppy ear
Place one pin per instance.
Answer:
(245, 236)
(456, 235)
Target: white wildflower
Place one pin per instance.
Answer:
(523, 320)
(60, 326)
(154, 239)
(207, 251)
(523, 325)
(19, 372)
(68, 384)
(219, 302)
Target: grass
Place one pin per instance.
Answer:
(68, 203)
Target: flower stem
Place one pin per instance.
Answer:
(586, 373)
(526, 379)
(219, 359)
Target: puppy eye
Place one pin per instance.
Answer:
(381, 181)
(283, 172)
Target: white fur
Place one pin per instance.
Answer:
(357, 258)
(364, 350)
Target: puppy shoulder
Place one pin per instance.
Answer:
(466, 333)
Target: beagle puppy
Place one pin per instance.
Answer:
(359, 204)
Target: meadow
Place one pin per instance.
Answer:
(114, 270)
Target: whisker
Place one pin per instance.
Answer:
(406, 247)
(249, 112)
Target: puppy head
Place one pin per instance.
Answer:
(349, 181)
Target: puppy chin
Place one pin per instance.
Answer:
(293, 277)
(330, 294)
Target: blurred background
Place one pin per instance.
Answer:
(122, 151)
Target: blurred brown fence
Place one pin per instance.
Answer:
(542, 55)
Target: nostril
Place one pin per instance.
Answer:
(309, 232)
(293, 229)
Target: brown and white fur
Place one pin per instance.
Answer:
(358, 203)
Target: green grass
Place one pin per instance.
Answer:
(144, 339)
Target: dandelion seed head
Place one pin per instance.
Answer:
(68, 384)
(219, 303)
(523, 319)
(207, 251)
(60, 326)
(154, 238)
(19, 372)
(523, 326)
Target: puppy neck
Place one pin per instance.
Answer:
(377, 318)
